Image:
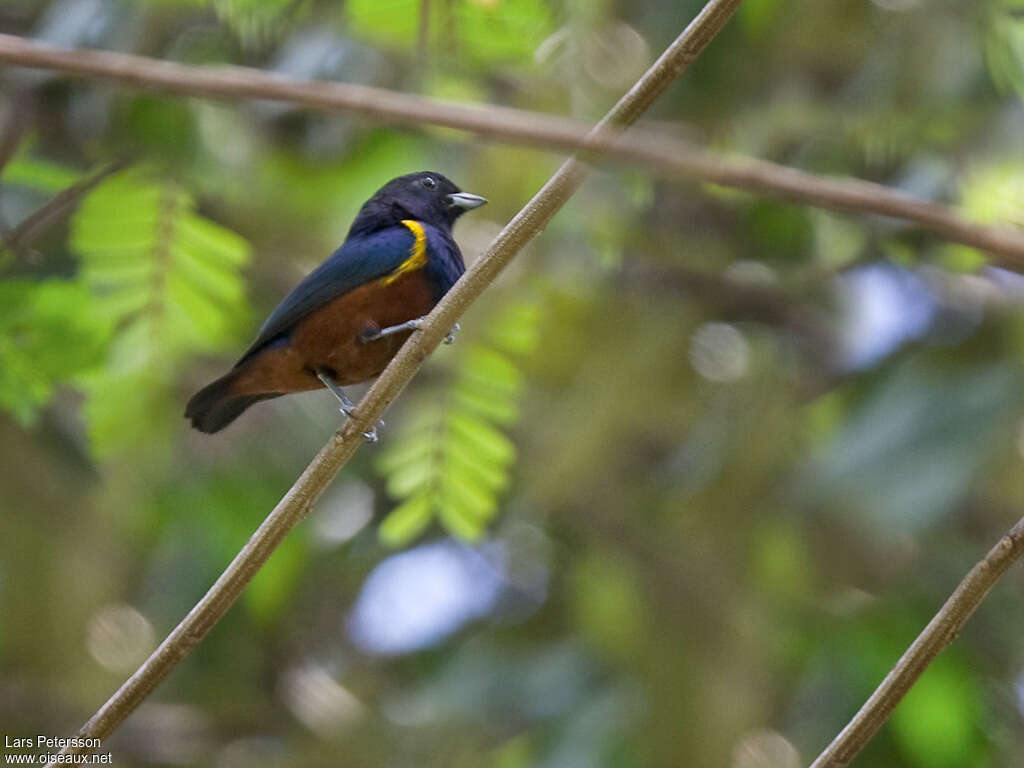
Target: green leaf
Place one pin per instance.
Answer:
(449, 458)
(415, 446)
(171, 281)
(407, 521)
(1004, 47)
(124, 408)
(42, 175)
(472, 499)
(411, 477)
(465, 461)
(490, 442)
(995, 192)
(516, 329)
(460, 524)
(493, 369)
(49, 332)
(485, 32)
(497, 407)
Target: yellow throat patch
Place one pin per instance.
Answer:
(417, 255)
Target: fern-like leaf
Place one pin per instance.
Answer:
(170, 282)
(452, 460)
(48, 333)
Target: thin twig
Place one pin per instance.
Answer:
(423, 37)
(939, 633)
(16, 118)
(57, 207)
(650, 149)
(344, 443)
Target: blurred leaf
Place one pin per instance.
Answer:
(780, 564)
(838, 240)
(756, 16)
(127, 407)
(335, 190)
(1004, 46)
(161, 126)
(485, 31)
(169, 279)
(994, 192)
(49, 332)
(781, 231)
(936, 721)
(256, 21)
(271, 588)
(608, 603)
(38, 174)
(450, 459)
(407, 521)
(910, 452)
(514, 753)
(961, 258)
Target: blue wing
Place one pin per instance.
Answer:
(358, 261)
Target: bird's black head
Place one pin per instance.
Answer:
(425, 196)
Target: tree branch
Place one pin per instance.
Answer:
(939, 633)
(423, 36)
(57, 207)
(649, 149)
(344, 443)
(15, 114)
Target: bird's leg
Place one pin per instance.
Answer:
(409, 325)
(347, 406)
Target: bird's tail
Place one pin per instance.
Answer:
(215, 406)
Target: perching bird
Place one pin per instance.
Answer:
(346, 320)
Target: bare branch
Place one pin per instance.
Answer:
(939, 633)
(652, 150)
(344, 443)
(423, 35)
(59, 206)
(15, 117)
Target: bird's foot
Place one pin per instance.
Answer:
(415, 324)
(409, 325)
(347, 407)
(450, 338)
(369, 435)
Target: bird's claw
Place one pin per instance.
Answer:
(370, 435)
(450, 337)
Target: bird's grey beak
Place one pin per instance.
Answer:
(465, 201)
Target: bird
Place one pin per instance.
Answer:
(347, 318)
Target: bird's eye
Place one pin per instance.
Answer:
(429, 183)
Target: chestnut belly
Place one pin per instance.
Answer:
(330, 338)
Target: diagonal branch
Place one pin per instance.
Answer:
(344, 443)
(940, 632)
(650, 149)
(56, 208)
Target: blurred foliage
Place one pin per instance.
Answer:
(50, 332)
(695, 472)
(485, 33)
(167, 279)
(451, 459)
